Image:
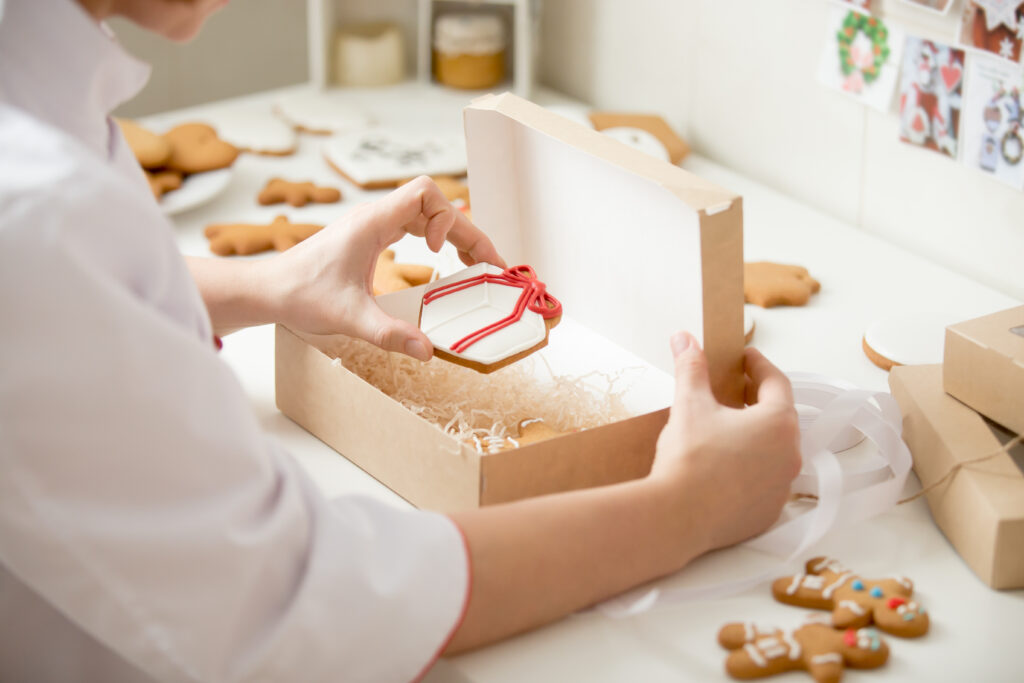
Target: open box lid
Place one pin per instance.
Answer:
(634, 247)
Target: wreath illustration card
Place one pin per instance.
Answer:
(991, 133)
(861, 57)
(930, 95)
(995, 26)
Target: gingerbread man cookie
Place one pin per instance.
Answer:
(162, 182)
(815, 647)
(529, 431)
(243, 238)
(854, 601)
(278, 190)
(150, 149)
(777, 284)
(389, 276)
(195, 148)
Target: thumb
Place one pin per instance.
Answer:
(392, 334)
(691, 368)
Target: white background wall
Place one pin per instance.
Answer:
(735, 77)
(738, 80)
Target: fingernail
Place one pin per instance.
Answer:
(416, 349)
(680, 342)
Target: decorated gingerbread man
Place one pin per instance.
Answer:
(815, 647)
(854, 601)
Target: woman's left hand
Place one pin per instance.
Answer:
(324, 285)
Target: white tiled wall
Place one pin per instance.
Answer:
(737, 78)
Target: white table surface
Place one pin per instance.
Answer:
(975, 630)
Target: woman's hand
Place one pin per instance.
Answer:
(324, 285)
(732, 467)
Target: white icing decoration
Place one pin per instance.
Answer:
(754, 655)
(814, 582)
(796, 584)
(749, 631)
(903, 581)
(852, 606)
(830, 564)
(383, 155)
(327, 112)
(449, 318)
(794, 646)
(638, 139)
(827, 593)
(826, 658)
(258, 131)
(771, 647)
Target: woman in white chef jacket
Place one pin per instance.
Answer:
(150, 531)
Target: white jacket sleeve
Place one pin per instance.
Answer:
(139, 497)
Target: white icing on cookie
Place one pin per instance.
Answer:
(449, 318)
(771, 647)
(903, 581)
(795, 585)
(638, 139)
(853, 607)
(384, 155)
(827, 658)
(255, 131)
(755, 655)
(794, 646)
(322, 112)
(827, 593)
(830, 564)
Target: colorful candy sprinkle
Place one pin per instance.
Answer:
(876, 592)
(896, 602)
(907, 616)
(858, 585)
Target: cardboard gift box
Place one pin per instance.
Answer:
(980, 508)
(983, 366)
(633, 247)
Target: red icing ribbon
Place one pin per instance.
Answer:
(850, 637)
(896, 602)
(534, 298)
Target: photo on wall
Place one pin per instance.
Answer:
(940, 6)
(994, 26)
(930, 95)
(991, 131)
(861, 57)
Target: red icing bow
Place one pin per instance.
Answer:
(534, 297)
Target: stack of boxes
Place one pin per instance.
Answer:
(969, 407)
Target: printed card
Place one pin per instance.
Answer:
(930, 95)
(991, 132)
(994, 26)
(859, 5)
(861, 57)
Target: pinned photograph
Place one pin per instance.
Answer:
(861, 57)
(991, 132)
(993, 26)
(930, 95)
(939, 6)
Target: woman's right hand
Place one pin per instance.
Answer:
(728, 470)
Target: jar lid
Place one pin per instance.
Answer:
(469, 34)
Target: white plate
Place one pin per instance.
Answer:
(196, 190)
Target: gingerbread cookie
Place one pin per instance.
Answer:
(150, 149)
(529, 431)
(162, 182)
(485, 318)
(815, 647)
(854, 601)
(243, 238)
(389, 276)
(776, 284)
(195, 148)
(278, 190)
(675, 148)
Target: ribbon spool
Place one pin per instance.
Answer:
(840, 412)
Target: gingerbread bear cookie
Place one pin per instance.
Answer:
(854, 601)
(195, 148)
(777, 284)
(244, 238)
(278, 190)
(815, 647)
(389, 276)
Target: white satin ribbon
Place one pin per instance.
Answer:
(843, 498)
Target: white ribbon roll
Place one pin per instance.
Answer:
(843, 499)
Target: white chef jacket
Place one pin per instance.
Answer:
(148, 529)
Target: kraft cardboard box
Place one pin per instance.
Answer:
(983, 366)
(633, 247)
(980, 508)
